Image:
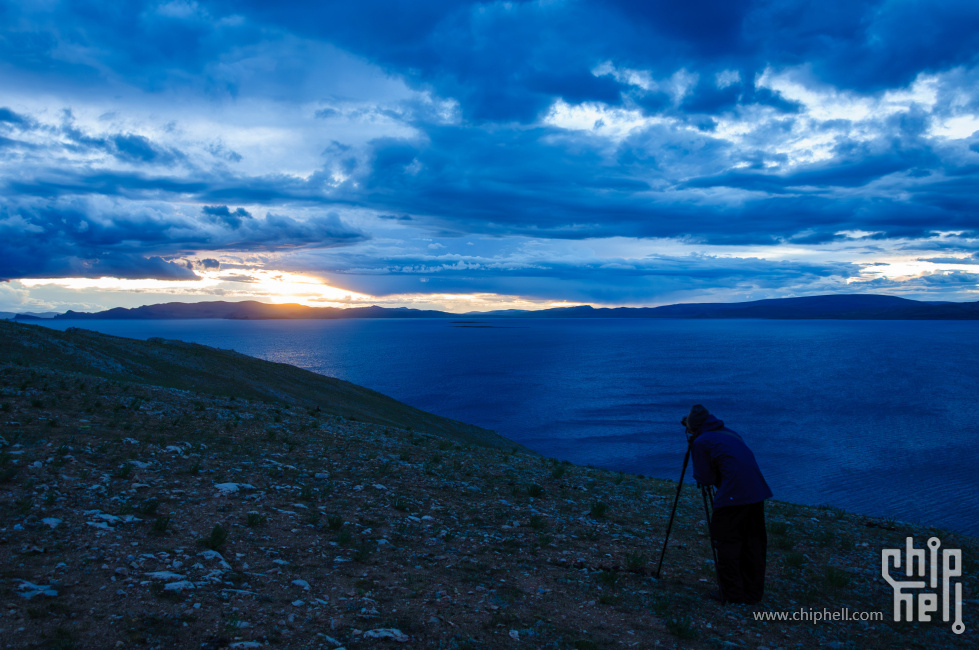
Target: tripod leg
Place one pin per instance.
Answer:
(707, 492)
(676, 501)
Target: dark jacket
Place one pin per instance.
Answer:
(721, 458)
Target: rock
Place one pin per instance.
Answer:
(391, 633)
(514, 635)
(231, 488)
(183, 585)
(169, 576)
(214, 555)
(29, 590)
(301, 583)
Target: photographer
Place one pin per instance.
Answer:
(737, 527)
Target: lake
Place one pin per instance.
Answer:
(871, 416)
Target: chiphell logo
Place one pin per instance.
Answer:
(921, 564)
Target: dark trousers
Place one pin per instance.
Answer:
(738, 534)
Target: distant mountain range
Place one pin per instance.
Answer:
(28, 314)
(847, 306)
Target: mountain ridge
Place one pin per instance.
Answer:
(837, 306)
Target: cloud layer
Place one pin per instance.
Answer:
(614, 152)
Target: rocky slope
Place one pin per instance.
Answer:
(201, 368)
(134, 515)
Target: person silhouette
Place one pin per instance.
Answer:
(737, 527)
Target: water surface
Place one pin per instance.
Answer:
(871, 416)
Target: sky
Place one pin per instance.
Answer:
(486, 155)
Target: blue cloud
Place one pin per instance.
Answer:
(223, 214)
(137, 148)
(612, 281)
(570, 120)
(10, 117)
(80, 236)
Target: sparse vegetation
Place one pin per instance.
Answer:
(304, 517)
(255, 519)
(681, 627)
(216, 539)
(161, 524)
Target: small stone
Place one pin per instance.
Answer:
(387, 633)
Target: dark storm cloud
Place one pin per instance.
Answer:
(100, 194)
(223, 214)
(609, 280)
(74, 236)
(505, 60)
(513, 182)
(545, 182)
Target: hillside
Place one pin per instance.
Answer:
(135, 516)
(199, 368)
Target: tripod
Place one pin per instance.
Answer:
(707, 494)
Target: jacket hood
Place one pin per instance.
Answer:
(711, 424)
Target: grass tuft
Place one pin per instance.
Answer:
(216, 539)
